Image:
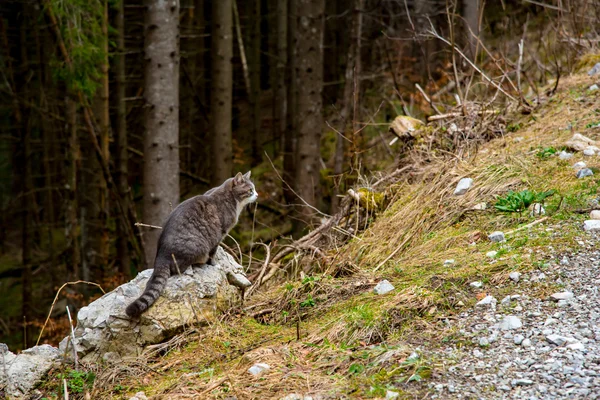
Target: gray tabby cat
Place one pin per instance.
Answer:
(193, 232)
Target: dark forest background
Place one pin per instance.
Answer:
(112, 111)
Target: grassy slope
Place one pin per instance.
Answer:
(356, 344)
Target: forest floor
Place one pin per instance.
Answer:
(328, 335)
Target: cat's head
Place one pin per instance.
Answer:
(243, 189)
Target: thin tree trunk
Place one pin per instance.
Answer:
(349, 101)
(121, 159)
(72, 206)
(221, 92)
(255, 80)
(161, 93)
(289, 137)
(471, 15)
(309, 107)
(280, 98)
(97, 205)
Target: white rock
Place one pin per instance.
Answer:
(390, 394)
(480, 206)
(565, 259)
(510, 322)
(595, 70)
(521, 382)
(593, 87)
(476, 284)
(194, 297)
(589, 151)
(515, 276)
(463, 185)
(576, 346)
(484, 342)
(139, 396)
(497, 237)
(487, 300)
(518, 339)
(505, 300)
(559, 340)
(563, 155)
(449, 262)
(591, 225)
(579, 165)
(526, 343)
(537, 209)
(383, 287)
(259, 368)
(22, 372)
(582, 173)
(491, 254)
(579, 142)
(595, 214)
(562, 296)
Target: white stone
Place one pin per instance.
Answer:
(259, 368)
(515, 276)
(197, 296)
(593, 87)
(510, 322)
(139, 396)
(22, 372)
(562, 296)
(589, 151)
(537, 209)
(563, 155)
(449, 262)
(579, 165)
(491, 254)
(390, 394)
(595, 70)
(383, 287)
(595, 214)
(565, 259)
(518, 339)
(476, 284)
(463, 185)
(576, 346)
(526, 343)
(497, 237)
(559, 340)
(487, 300)
(522, 382)
(480, 206)
(582, 173)
(591, 225)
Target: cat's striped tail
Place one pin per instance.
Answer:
(155, 285)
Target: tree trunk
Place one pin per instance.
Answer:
(221, 92)
(289, 137)
(309, 101)
(349, 101)
(97, 206)
(72, 206)
(471, 15)
(280, 98)
(121, 159)
(161, 94)
(255, 80)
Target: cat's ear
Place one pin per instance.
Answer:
(247, 175)
(239, 178)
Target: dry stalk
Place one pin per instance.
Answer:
(56, 298)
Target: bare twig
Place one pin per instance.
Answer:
(420, 89)
(56, 298)
(66, 394)
(259, 280)
(148, 226)
(73, 340)
(538, 221)
(176, 265)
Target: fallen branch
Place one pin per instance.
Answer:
(458, 114)
(538, 221)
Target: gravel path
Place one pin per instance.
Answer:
(555, 354)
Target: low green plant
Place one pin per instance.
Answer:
(78, 381)
(545, 153)
(309, 302)
(520, 201)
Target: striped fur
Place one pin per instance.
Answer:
(155, 285)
